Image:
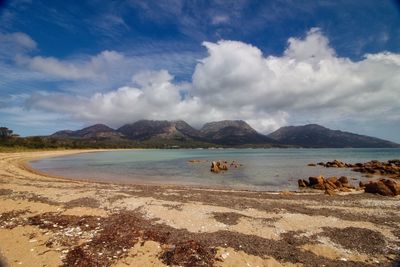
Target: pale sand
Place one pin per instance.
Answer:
(243, 228)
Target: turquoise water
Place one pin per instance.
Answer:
(263, 169)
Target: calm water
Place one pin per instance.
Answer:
(263, 169)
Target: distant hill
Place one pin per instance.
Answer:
(314, 135)
(233, 132)
(153, 133)
(94, 131)
(148, 129)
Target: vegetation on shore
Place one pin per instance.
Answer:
(10, 142)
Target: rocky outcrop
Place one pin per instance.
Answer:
(388, 168)
(218, 166)
(330, 184)
(384, 187)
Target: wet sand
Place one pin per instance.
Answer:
(52, 221)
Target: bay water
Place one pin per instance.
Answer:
(261, 169)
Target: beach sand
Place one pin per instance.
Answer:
(51, 221)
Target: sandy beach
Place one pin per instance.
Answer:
(51, 221)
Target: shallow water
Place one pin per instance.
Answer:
(263, 169)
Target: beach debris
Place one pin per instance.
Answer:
(12, 219)
(384, 187)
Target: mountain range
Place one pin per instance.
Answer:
(226, 133)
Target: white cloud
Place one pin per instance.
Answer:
(309, 82)
(220, 19)
(15, 43)
(94, 68)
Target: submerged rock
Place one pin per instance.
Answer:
(390, 168)
(218, 166)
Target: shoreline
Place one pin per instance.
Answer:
(140, 181)
(256, 227)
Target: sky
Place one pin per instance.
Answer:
(70, 64)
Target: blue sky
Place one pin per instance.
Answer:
(67, 64)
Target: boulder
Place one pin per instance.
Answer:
(361, 184)
(215, 167)
(393, 186)
(311, 164)
(330, 186)
(378, 188)
(343, 180)
(346, 185)
(338, 184)
(319, 186)
(332, 179)
(303, 183)
(223, 167)
(316, 180)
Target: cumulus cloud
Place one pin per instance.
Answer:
(308, 82)
(308, 79)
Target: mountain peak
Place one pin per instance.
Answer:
(233, 132)
(93, 131)
(147, 129)
(215, 126)
(314, 135)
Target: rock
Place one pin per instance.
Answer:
(346, 185)
(215, 167)
(361, 184)
(378, 188)
(302, 183)
(393, 186)
(329, 185)
(195, 161)
(330, 192)
(318, 186)
(338, 184)
(345, 189)
(321, 164)
(223, 167)
(335, 164)
(343, 180)
(311, 164)
(332, 179)
(316, 180)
